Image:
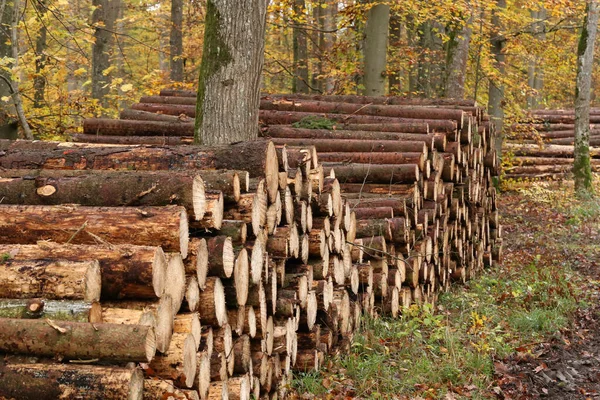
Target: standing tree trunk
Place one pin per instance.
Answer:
(496, 87)
(394, 81)
(103, 19)
(456, 60)
(329, 36)
(39, 82)
(229, 84)
(176, 41)
(300, 43)
(585, 60)
(535, 71)
(6, 13)
(375, 49)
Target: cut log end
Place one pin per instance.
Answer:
(159, 271)
(198, 197)
(184, 234)
(93, 282)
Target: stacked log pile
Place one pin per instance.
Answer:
(219, 274)
(542, 145)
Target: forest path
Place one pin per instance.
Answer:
(544, 223)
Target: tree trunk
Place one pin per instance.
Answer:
(127, 272)
(229, 83)
(89, 225)
(39, 81)
(62, 381)
(496, 85)
(375, 49)
(176, 41)
(60, 310)
(103, 19)
(56, 280)
(394, 77)
(8, 109)
(300, 46)
(457, 57)
(77, 340)
(585, 64)
(535, 70)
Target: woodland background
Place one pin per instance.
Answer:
(311, 46)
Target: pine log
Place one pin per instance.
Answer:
(78, 340)
(284, 131)
(357, 99)
(128, 113)
(179, 363)
(132, 140)
(167, 226)
(375, 158)
(353, 146)
(212, 303)
(371, 173)
(64, 381)
(160, 389)
(60, 310)
(259, 158)
(196, 262)
(104, 188)
(127, 271)
(169, 99)
(270, 117)
(51, 279)
(123, 127)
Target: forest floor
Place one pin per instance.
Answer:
(529, 329)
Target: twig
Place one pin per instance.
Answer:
(53, 325)
(77, 232)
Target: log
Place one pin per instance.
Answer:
(375, 158)
(60, 310)
(370, 173)
(54, 280)
(212, 303)
(147, 226)
(127, 272)
(131, 140)
(128, 113)
(221, 257)
(78, 340)
(159, 389)
(319, 107)
(357, 99)
(169, 99)
(364, 213)
(64, 381)
(259, 158)
(352, 146)
(196, 262)
(270, 117)
(104, 188)
(124, 127)
(179, 363)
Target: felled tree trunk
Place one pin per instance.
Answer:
(61, 381)
(60, 310)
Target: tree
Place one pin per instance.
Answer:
(456, 57)
(300, 43)
(375, 49)
(496, 87)
(585, 60)
(103, 20)
(39, 81)
(176, 41)
(6, 13)
(230, 71)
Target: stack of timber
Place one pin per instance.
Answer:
(242, 277)
(541, 146)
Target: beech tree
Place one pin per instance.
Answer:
(496, 87)
(585, 60)
(230, 71)
(103, 19)
(375, 49)
(176, 41)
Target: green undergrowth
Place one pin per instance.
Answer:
(448, 350)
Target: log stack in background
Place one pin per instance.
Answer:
(219, 274)
(542, 145)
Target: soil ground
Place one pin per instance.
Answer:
(568, 366)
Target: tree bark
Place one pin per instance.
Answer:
(56, 280)
(496, 85)
(231, 65)
(457, 57)
(103, 20)
(146, 226)
(176, 41)
(300, 47)
(124, 127)
(39, 81)
(375, 49)
(78, 340)
(60, 310)
(61, 381)
(585, 61)
(128, 272)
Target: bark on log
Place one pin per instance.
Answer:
(165, 226)
(371, 173)
(55, 280)
(78, 340)
(60, 310)
(257, 157)
(352, 146)
(375, 158)
(127, 272)
(130, 140)
(129, 113)
(62, 381)
(124, 127)
(356, 99)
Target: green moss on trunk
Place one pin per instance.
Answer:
(582, 172)
(215, 55)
